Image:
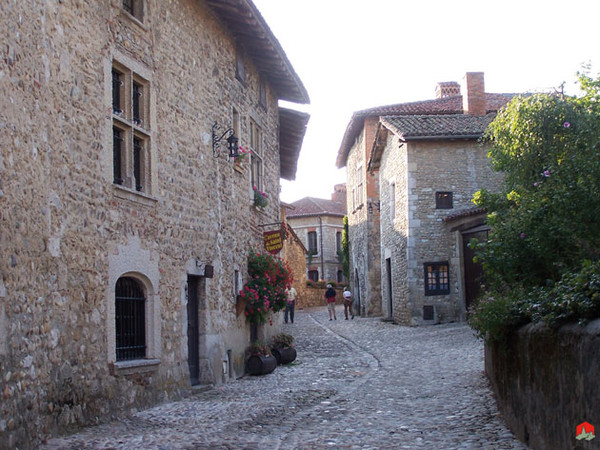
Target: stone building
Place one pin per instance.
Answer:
(125, 225)
(413, 169)
(319, 224)
(294, 254)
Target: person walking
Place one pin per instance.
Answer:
(330, 300)
(290, 294)
(348, 303)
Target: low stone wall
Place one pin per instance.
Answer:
(547, 383)
(311, 297)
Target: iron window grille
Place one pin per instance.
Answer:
(117, 156)
(130, 320)
(131, 134)
(437, 278)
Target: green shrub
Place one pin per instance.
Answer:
(546, 221)
(575, 298)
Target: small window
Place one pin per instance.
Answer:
(131, 129)
(340, 276)
(392, 201)
(437, 279)
(338, 242)
(256, 156)
(428, 312)
(262, 94)
(237, 282)
(443, 200)
(312, 242)
(359, 186)
(135, 8)
(130, 320)
(240, 67)
(313, 275)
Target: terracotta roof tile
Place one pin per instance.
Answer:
(447, 105)
(438, 125)
(468, 212)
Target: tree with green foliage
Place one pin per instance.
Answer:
(546, 223)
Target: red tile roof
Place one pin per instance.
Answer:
(438, 125)
(468, 212)
(447, 105)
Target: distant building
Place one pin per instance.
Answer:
(412, 170)
(319, 224)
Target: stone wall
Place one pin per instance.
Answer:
(417, 234)
(546, 383)
(363, 227)
(69, 232)
(312, 297)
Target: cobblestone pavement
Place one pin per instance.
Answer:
(356, 384)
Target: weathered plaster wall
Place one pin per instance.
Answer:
(546, 383)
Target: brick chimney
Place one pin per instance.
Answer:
(474, 97)
(339, 194)
(447, 89)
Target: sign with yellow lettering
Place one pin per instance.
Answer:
(273, 241)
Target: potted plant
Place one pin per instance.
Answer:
(282, 347)
(260, 198)
(260, 360)
(243, 153)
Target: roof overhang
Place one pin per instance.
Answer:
(292, 128)
(251, 31)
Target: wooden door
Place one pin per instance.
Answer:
(473, 272)
(193, 330)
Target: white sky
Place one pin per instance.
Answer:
(358, 54)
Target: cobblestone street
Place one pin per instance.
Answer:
(358, 384)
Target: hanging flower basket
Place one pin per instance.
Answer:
(260, 198)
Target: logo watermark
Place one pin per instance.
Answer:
(585, 431)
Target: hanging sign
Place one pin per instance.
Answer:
(273, 241)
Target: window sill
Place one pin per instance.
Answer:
(134, 20)
(126, 193)
(134, 366)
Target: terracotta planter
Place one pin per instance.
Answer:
(261, 365)
(284, 355)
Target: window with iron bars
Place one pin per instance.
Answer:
(131, 129)
(130, 319)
